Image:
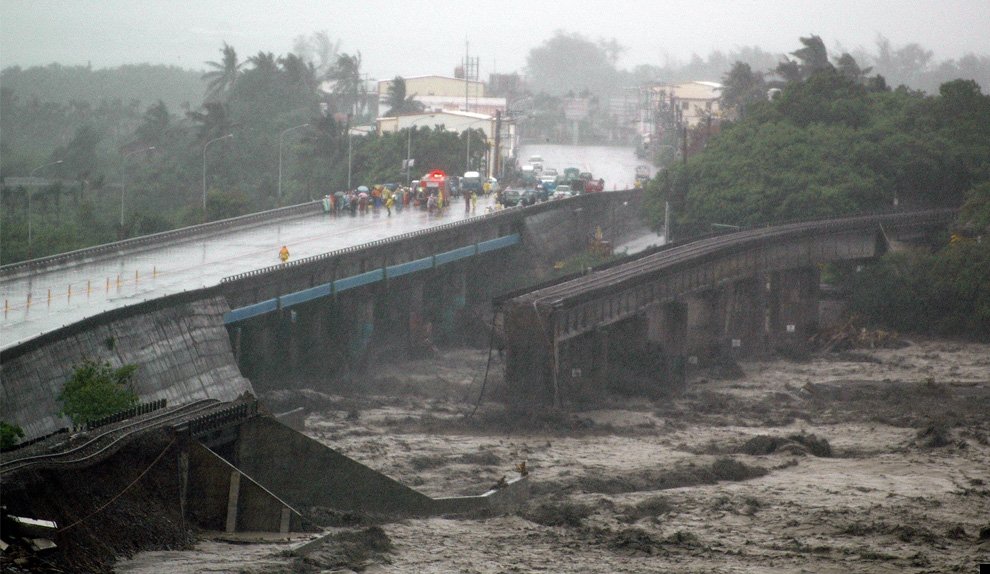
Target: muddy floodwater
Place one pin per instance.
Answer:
(871, 460)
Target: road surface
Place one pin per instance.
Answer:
(616, 165)
(52, 299)
(61, 297)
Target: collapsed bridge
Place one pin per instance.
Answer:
(728, 295)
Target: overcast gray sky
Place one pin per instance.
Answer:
(415, 37)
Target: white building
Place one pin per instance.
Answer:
(457, 121)
(443, 93)
(693, 102)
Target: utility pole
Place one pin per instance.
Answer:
(684, 142)
(467, 63)
(666, 222)
(497, 163)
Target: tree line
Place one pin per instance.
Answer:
(121, 171)
(837, 140)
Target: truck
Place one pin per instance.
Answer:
(433, 183)
(472, 181)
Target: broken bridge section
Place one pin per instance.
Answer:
(245, 471)
(722, 296)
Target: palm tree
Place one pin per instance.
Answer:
(213, 121)
(319, 47)
(156, 122)
(348, 86)
(299, 73)
(265, 63)
(398, 102)
(224, 75)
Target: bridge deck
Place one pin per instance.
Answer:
(47, 300)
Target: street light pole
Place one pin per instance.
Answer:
(285, 131)
(33, 171)
(123, 180)
(206, 145)
(349, 134)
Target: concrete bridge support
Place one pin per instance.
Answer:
(702, 327)
(792, 315)
(219, 496)
(359, 313)
(742, 308)
(419, 326)
(453, 301)
(667, 326)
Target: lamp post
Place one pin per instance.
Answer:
(33, 171)
(409, 146)
(206, 145)
(285, 131)
(349, 133)
(123, 180)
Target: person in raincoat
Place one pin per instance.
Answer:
(283, 254)
(389, 202)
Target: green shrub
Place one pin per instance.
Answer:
(9, 434)
(96, 390)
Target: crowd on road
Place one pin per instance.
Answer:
(393, 197)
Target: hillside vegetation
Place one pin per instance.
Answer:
(834, 142)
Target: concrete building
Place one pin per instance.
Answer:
(692, 102)
(444, 93)
(458, 121)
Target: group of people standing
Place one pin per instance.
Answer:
(361, 200)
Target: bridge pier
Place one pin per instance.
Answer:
(453, 301)
(702, 327)
(667, 327)
(532, 360)
(260, 358)
(419, 327)
(362, 314)
(742, 310)
(792, 314)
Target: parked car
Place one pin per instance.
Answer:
(528, 197)
(544, 191)
(562, 192)
(510, 197)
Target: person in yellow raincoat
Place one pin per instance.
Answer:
(389, 202)
(283, 254)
